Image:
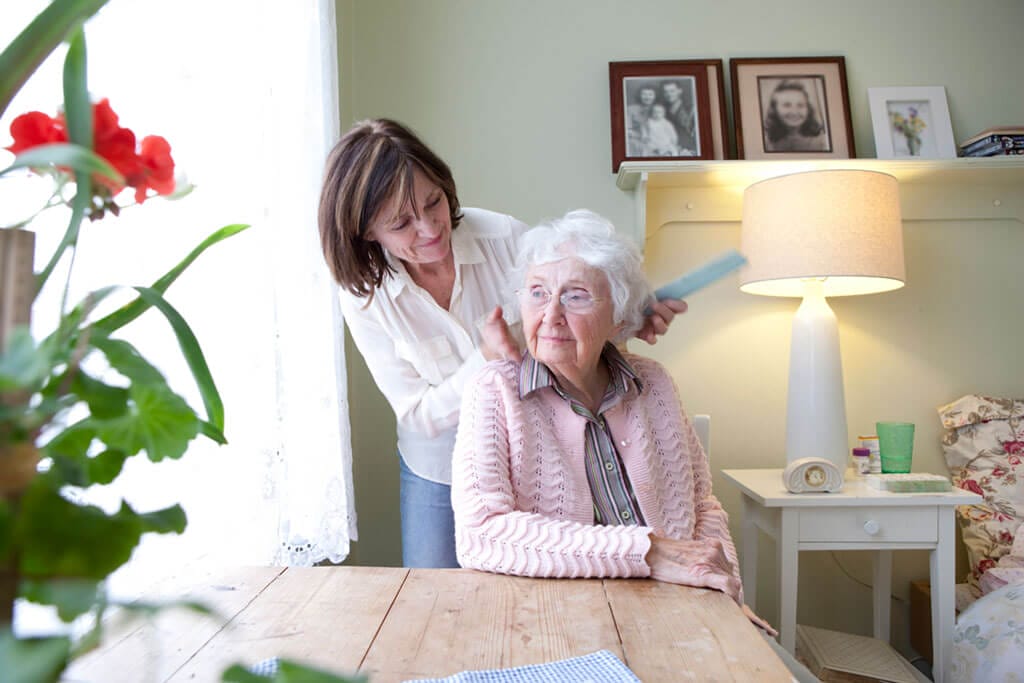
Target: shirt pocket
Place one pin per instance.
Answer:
(433, 358)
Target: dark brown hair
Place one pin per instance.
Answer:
(372, 164)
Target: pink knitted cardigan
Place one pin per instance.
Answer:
(519, 487)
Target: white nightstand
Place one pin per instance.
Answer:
(856, 518)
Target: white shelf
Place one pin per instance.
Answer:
(989, 188)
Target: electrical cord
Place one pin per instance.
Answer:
(863, 583)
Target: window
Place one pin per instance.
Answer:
(245, 92)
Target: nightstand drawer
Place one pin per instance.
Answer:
(869, 525)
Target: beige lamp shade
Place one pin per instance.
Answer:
(842, 227)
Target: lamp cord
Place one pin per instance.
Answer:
(863, 583)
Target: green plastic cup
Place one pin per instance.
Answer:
(895, 445)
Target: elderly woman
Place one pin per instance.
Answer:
(579, 461)
(422, 280)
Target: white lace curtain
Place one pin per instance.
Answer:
(246, 94)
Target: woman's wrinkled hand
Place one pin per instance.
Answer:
(758, 621)
(702, 564)
(496, 342)
(662, 314)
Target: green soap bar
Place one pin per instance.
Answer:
(934, 486)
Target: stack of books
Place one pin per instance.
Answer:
(994, 142)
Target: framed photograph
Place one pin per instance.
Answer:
(667, 110)
(911, 123)
(791, 108)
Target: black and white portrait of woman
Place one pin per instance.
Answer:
(794, 114)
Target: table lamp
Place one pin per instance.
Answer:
(815, 235)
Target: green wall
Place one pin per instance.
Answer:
(514, 95)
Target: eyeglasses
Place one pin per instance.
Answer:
(573, 300)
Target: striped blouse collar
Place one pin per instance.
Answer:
(534, 375)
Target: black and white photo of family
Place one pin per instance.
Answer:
(661, 117)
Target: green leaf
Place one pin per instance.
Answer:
(133, 310)
(124, 358)
(81, 202)
(180, 191)
(193, 355)
(237, 673)
(26, 52)
(82, 470)
(78, 113)
(32, 660)
(212, 433)
(22, 364)
(6, 531)
(73, 441)
(294, 672)
(161, 423)
(158, 420)
(64, 471)
(62, 340)
(77, 107)
(168, 520)
(151, 608)
(82, 159)
(59, 538)
(288, 671)
(104, 468)
(71, 597)
(105, 401)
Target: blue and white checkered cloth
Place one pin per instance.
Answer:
(266, 668)
(597, 667)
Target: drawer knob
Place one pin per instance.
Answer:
(871, 527)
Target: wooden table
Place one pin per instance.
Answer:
(396, 624)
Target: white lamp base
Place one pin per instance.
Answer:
(816, 409)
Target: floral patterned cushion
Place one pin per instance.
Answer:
(984, 449)
(988, 641)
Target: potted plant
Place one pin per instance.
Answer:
(62, 424)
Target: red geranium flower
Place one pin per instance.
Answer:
(157, 168)
(149, 167)
(33, 129)
(112, 142)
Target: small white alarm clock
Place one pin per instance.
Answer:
(812, 475)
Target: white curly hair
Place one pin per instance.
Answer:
(592, 239)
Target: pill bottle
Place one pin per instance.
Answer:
(862, 461)
(871, 443)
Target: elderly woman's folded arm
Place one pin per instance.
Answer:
(712, 519)
(492, 535)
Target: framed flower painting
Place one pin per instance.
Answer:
(911, 123)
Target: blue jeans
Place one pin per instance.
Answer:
(428, 523)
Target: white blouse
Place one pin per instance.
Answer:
(420, 354)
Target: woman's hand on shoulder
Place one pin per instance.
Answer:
(702, 564)
(662, 314)
(496, 342)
